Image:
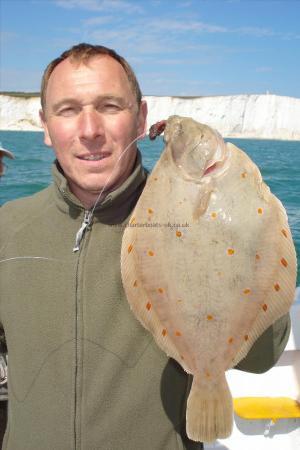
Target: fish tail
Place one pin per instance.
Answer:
(209, 414)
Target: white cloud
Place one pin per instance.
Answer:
(186, 4)
(255, 31)
(194, 26)
(145, 40)
(263, 69)
(266, 32)
(7, 36)
(101, 5)
(290, 36)
(121, 36)
(96, 21)
(154, 26)
(171, 25)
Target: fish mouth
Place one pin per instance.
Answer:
(211, 168)
(219, 164)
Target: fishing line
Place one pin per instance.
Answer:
(88, 219)
(109, 177)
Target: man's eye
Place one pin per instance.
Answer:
(111, 107)
(66, 112)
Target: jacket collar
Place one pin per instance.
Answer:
(115, 207)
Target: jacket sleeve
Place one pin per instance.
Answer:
(266, 351)
(3, 348)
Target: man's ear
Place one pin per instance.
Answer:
(47, 139)
(142, 119)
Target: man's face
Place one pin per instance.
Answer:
(91, 117)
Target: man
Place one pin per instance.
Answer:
(3, 153)
(94, 379)
(3, 363)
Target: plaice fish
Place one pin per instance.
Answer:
(208, 263)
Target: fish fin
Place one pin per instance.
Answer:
(279, 296)
(209, 413)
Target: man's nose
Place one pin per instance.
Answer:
(90, 124)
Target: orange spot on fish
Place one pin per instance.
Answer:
(284, 262)
(148, 306)
(260, 210)
(276, 287)
(230, 251)
(150, 211)
(283, 231)
(209, 317)
(230, 340)
(130, 247)
(182, 357)
(177, 333)
(132, 220)
(207, 373)
(213, 215)
(135, 283)
(164, 332)
(155, 178)
(246, 337)
(179, 301)
(160, 290)
(150, 253)
(244, 174)
(247, 291)
(264, 307)
(178, 233)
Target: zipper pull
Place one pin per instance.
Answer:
(79, 235)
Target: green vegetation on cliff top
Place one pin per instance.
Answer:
(37, 94)
(20, 94)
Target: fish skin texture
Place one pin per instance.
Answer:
(208, 263)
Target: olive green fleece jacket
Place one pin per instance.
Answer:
(83, 373)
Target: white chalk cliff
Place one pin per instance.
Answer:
(247, 116)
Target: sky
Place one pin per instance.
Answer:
(176, 47)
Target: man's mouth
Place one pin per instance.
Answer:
(95, 157)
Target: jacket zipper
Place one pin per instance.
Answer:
(80, 233)
(87, 220)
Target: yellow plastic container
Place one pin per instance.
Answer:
(272, 408)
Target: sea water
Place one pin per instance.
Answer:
(279, 163)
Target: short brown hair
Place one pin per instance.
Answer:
(82, 53)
